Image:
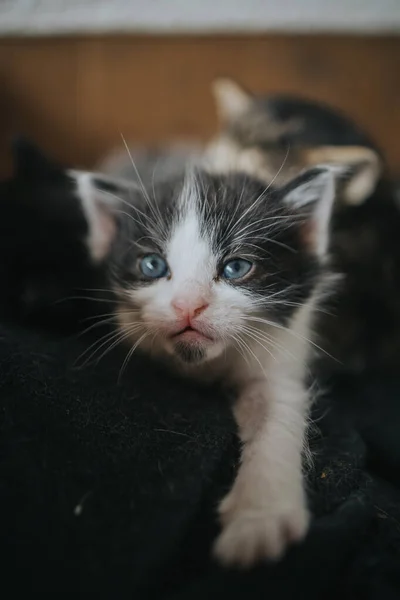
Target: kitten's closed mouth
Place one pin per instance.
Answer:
(190, 334)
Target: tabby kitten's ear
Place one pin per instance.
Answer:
(231, 99)
(311, 195)
(362, 165)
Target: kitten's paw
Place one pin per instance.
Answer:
(252, 535)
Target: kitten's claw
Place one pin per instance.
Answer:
(252, 535)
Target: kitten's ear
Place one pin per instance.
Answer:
(312, 196)
(99, 200)
(30, 162)
(231, 99)
(363, 165)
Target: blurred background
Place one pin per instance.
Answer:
(76, 73)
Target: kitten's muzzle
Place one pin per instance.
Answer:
(191, 334)
(187, 311)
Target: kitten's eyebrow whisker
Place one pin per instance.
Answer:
(261, 196)
(268, 225)
(152, 224)
(122, 212)
(144, 191)
(280, 168)
(152, 206)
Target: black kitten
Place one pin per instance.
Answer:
(45, 262)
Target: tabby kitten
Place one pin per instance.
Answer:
(275, 138)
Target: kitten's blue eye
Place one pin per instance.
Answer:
(236, 268)
(153, 266)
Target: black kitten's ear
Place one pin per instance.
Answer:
(312, 195)
(30, 162)
(231, 99)
(363, 168)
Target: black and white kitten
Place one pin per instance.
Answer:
(220, 277)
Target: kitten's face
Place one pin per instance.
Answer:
(196, 268)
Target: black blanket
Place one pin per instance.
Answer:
(109, 488)
(109, 483)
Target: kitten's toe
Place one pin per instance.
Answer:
(226, 508)
(256, 535)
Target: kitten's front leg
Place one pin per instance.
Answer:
(266, 508)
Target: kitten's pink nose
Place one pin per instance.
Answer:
(189, 308)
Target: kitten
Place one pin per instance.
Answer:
(220, 277)
(278, 136)
(44, 236)
(284, 134)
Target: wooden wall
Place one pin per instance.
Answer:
(74, 95)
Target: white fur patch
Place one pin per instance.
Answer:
(189, 254)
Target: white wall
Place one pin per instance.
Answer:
(198, 16)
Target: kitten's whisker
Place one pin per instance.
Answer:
(290, 303)
(130, 353)
(132, 311)
(253, 336)
(98, 344)
(104, 290)
(250, 350)
(105, 319)
(241, 349)
(107, 336)
(294, 333)
(124, 335)
(88, 298)
(269, 340)
(96, 325)
(236, 209)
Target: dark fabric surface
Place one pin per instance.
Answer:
(109, 484)
(147, 459)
